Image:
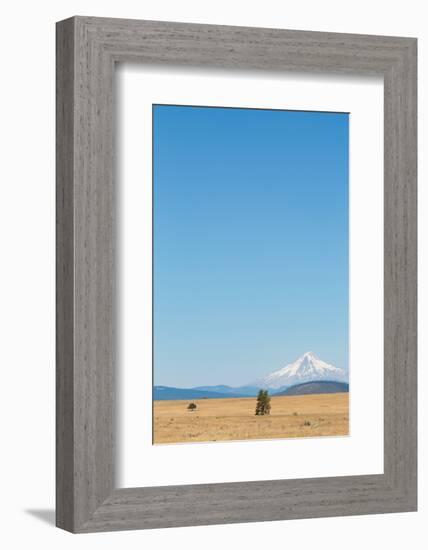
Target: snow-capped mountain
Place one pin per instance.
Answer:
(307, 368)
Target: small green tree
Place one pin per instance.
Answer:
(263, 403)
(191, 407)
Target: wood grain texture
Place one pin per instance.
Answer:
(64, 277)
(87, 50)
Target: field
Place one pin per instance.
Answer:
(234, 419)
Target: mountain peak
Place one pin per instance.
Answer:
(307, 368)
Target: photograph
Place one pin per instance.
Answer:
(250, 274)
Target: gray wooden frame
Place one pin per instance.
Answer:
(87, 50)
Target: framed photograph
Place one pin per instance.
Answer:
(236, 274)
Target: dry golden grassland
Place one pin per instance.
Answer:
(234, 418)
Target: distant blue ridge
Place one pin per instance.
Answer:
(166, 393)
(321, 386)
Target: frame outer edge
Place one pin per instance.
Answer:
(400, 316)
(65, 107)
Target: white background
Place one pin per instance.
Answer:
(139, 87)
(27, 273)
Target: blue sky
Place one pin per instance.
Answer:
(250, 242)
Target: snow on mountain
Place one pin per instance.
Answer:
(307, 368)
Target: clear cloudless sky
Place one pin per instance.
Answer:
(250, 242)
